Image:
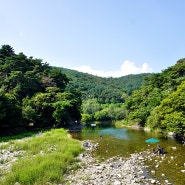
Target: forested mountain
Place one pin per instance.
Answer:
(34, 93)
(31, 92)
(105, 90)
(160, 103)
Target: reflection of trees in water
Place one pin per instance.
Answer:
(76, 135)
(141, 134)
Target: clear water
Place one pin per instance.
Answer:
(127, 141)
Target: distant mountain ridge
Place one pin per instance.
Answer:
(106, 90)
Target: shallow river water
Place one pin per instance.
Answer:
(127, 141)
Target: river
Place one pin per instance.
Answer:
(126, 141)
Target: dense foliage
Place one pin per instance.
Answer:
(92, 110)
(105, 90)
(159, 104)
(33, 92)
(103, 98)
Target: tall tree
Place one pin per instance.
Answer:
(170, 114)
(6, 51)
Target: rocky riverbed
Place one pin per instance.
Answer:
(7, 158)
(114, 171)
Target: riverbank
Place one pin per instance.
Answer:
(114, 171)
(41, 159)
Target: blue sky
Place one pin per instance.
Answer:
(101, 37)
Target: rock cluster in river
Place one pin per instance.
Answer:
(114, 171)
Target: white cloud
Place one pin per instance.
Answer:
(127, 68)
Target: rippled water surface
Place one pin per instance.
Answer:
(126, 141)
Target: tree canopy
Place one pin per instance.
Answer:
(105, 90)
(31, 91)
(159, 104)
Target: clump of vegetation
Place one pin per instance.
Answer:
(34, 93)
(159, 104)
(92, 110)
(122, 123)
(46, 158)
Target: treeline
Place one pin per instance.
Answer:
(94, 111)
(160, 103)
(104, 90)
(33, 93)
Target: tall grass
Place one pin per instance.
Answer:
(46, 158)
(17, 136)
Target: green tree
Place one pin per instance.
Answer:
(59, 78)
(139, 105)
(6, 51)
(10, 111)
(90, 106)
(102, 115)
(170, 114)
(32, 91)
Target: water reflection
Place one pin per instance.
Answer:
(115, 133)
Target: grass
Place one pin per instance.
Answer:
(121, 124)
(45, 160)
(17, 136)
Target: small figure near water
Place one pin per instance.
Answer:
(158, 151)
(154, 151)
(86, 144)
(162, 151)
(101, 137)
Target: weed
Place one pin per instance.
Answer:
(1, 161)
(87, 177)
